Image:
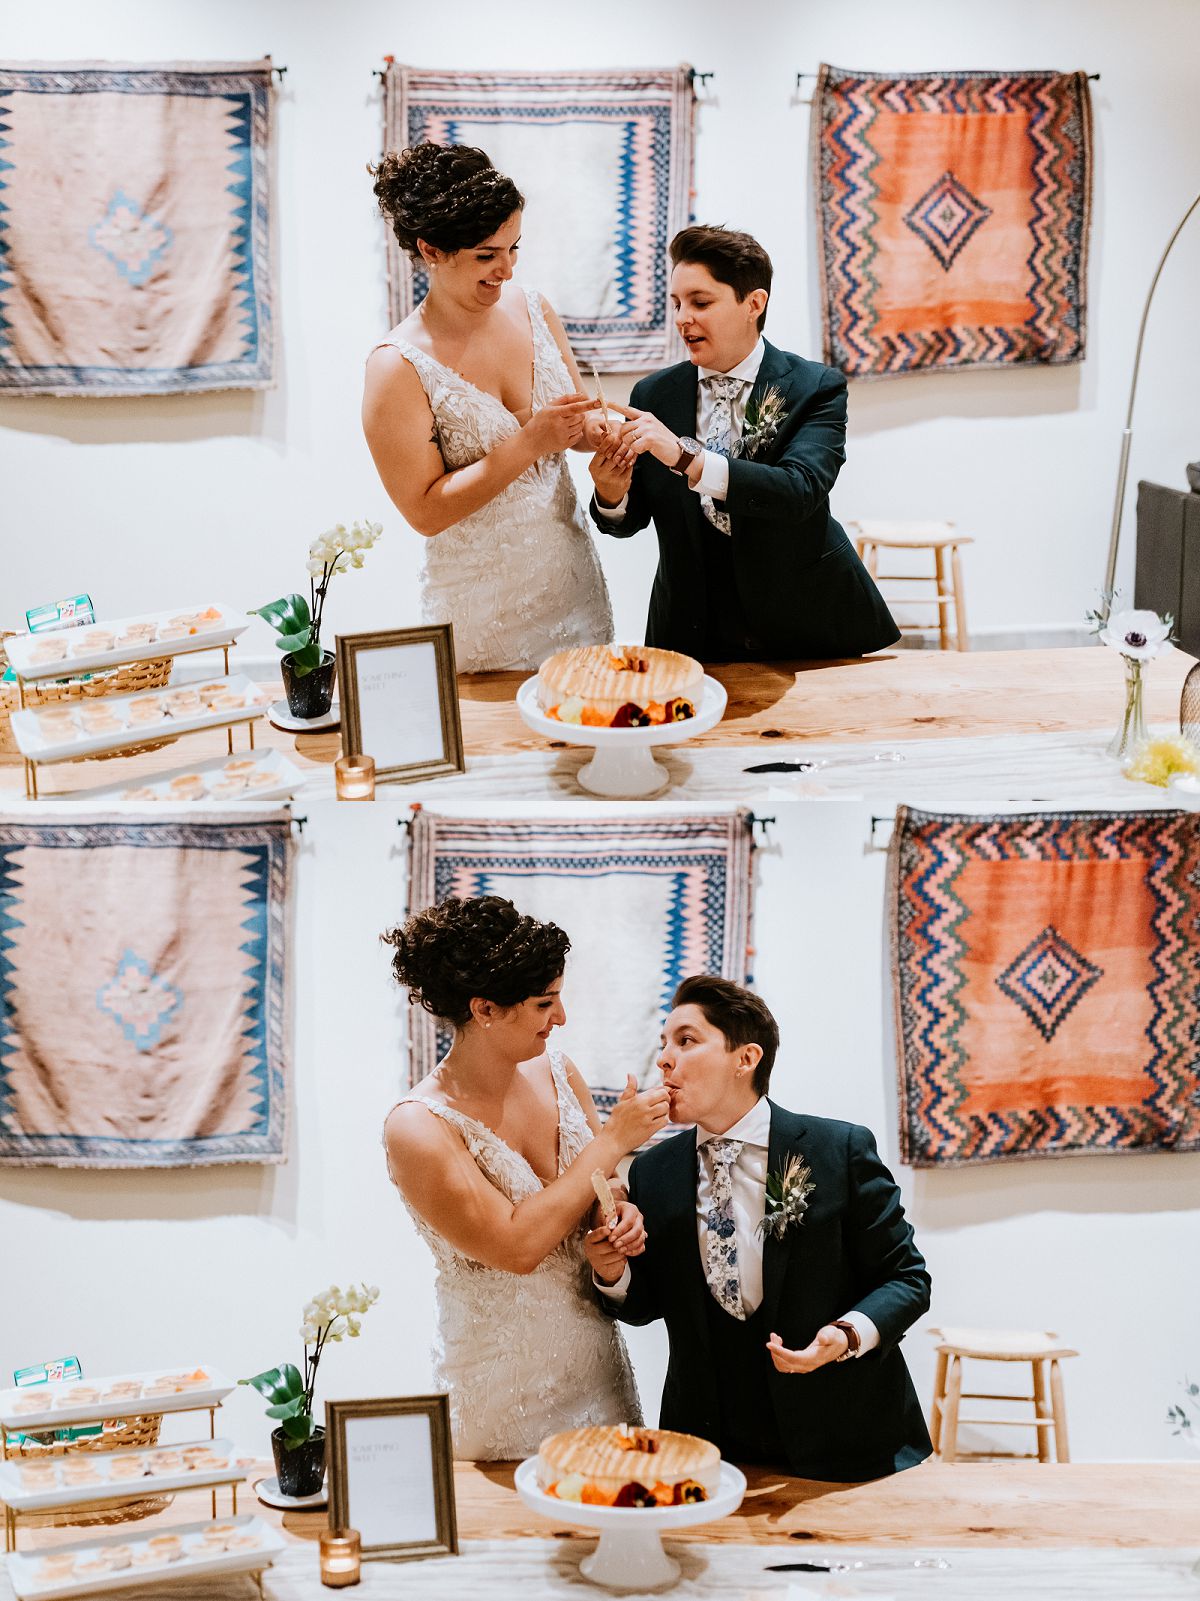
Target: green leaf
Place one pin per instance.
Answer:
(293, 642)
(289, 614)
(297, 1430)
(291, 1377)
(304, 661)
(286, 1409)
(271, 1384)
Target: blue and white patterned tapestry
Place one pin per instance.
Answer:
(144, 994)
(604, 160)
(645, 901)
(135, 228)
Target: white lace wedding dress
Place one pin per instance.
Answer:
(519, 578)
(523, 1355)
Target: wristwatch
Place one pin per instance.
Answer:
(689, 449)
(853, 1340)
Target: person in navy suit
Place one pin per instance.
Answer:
(732, 454)
(784, 1337)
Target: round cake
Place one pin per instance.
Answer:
(619, 1465)
(619, 686)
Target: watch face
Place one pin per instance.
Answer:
(692, 446)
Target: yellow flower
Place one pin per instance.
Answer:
(1155, 760)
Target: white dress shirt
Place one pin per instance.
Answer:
(714, 474)
(748, 1176)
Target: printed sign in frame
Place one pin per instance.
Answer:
(399, 701)
(391, 1475)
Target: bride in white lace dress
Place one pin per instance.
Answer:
(493, 1154)
(468, 407)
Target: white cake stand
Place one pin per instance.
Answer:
(623, 767)
(630, 1555)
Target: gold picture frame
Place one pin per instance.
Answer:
(391, 1479)
(402, 707)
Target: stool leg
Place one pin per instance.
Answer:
(1058, 1401)
(939, 1400)
(939, 568)
(960, 605)
(950, 1413)
(1041, 1408)
(872, 558)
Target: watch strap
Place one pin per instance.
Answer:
(853, 1338)
(689, 449)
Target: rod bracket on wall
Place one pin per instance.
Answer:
(298, 823)
(874, 843)
(695, 77)
(279, 72)
(759, 822)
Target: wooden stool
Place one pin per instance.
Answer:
(935, 537)
(993, 1345)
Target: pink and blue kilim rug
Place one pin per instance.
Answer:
(135, 233)
(144, 1000)
(604, 160)
(645, 901)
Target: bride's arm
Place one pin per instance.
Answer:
(402, 440)
(438, 1177)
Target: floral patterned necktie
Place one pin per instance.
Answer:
(724, 392)
(721, 1265)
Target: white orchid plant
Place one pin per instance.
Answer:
(298, 621)
(1180, 1416)
(332, 1315)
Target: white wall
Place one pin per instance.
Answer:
(133, 1270)
(155, 501)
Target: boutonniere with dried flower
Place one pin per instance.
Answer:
(787, 1197)
(764, 418)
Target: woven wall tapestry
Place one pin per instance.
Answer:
(604, 160)
(135, 239)
(953, 213)
(144, 992)
(1047, 984)
(645, 901)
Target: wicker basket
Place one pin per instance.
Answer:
(126, 1435)
(130, 679)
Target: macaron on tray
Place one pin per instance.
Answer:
(256, 775)
(65, 652)
(32, 1484)
(90, 726)
(40, 1406)
(116, 1562)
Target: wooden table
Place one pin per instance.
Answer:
(905, 695)
(1144, 1504)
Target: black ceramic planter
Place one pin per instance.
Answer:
(312, 694)
(302, 1469)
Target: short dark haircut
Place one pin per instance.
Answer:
(742, 1017)
(459, 949)
(733, 258)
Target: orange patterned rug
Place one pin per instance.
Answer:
(953, 212)
(1047, 984)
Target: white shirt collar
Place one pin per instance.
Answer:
(746, 370)
(753, 1129)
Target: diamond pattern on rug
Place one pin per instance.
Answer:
(1047, 979)
(139, 1000)
(946, 217)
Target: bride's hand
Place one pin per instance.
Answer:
(557, 425)
(637, 1116)
(627, 1232)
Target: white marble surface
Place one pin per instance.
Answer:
(547, 1570)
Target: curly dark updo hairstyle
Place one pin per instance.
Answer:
(449, 195)
(483, 946)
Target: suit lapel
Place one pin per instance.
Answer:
(775, 368)
(679, 1194)
(786, 1132)
(675, 404)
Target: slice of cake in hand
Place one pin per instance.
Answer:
(619, 686)
(620, 1465)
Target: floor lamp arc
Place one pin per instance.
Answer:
(1114, 538)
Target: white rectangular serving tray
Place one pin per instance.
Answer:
(22, 1499)
(288, 779)
(32, 742)
(210, 1394)
(23, 1565)
(20, 647)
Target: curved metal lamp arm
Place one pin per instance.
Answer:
(1114, 538)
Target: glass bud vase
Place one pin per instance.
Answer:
(1131, 730)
